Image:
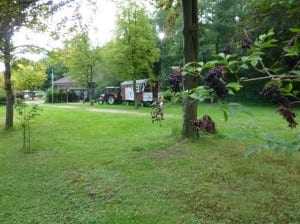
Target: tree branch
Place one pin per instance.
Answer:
(271, 77)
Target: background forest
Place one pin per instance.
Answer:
(221, 23)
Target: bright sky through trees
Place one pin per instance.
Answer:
(99, 19)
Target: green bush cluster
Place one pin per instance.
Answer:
(61, 96)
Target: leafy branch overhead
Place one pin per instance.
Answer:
(226, 75)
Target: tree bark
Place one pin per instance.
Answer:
(136, 102)
(190, 52)
(8, 86)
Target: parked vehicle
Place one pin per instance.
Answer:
(111, 95)
(147, 92)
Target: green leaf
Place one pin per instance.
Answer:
(269, 44)
(254, 63)
(245, 66)
(201, 93)
(295, 93)
(295, 30)
(287, 88)
(233, 63)
(222, 55)
(245, 58)
(231, 92)
(296, 72)
(234, 85)
(228, 56)
(241, 108)
(211, 64)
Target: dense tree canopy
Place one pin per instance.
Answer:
(82, 60)
(29, 76)
(133, 53)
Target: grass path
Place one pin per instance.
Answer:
(116, 111)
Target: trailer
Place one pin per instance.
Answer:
(147, 92)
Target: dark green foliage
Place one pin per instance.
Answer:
(58, 71)
(61, 96)
(250, 94)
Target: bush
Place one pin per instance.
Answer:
(61, 96)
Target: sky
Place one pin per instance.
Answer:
(101, 21)
(100, 18)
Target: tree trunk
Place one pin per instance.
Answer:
(136, 103)
(190, 52)
(8, 87)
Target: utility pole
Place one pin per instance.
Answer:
(52, 83)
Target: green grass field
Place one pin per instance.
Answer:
(91, 166)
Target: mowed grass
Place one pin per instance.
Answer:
(91, 166)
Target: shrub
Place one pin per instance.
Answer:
(61, 96)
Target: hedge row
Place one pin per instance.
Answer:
(61, 96)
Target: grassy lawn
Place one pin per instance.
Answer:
(91, 166)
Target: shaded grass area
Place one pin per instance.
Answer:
(93, 167)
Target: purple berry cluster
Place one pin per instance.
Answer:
(215, 80)
(205, 124)
(288, 115)
(175, 81)
(275, 95)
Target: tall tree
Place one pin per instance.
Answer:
(82, 60)
(29, 75)
(134, 51)
(13, 15)
(190, 53)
